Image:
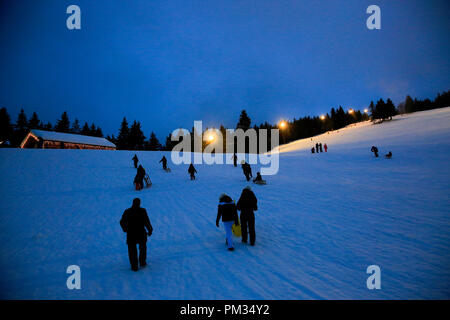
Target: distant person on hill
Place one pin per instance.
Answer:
(320, 147)
(227, 211)
(312, 150)
(375, 151)
(317, 147)
(235, 158)
(325, 147)
(136, 224)
(139, 178)
(135, 160)
(247, 170)
(389, 155)
(192, 171)
(258, 177)
(164, 162)
(247, 204)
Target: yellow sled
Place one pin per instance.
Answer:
(236, 229)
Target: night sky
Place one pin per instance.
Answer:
(168, 63)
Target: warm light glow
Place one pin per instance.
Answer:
(350, 111)
(211, 137)
(366, 111)
(322, 117)
(283, 124)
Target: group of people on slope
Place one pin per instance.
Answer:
(136, 224)
(319, 148)
(227, 211)
(142, 176)
(374, 149)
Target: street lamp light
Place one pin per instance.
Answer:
(282, 124)
(350, 111)
(366, 110)
(322, 117)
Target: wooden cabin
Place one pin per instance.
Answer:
(57, 140)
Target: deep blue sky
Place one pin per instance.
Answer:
(168, 63)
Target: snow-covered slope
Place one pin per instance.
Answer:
(322, 220)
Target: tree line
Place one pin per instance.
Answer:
(133, 138)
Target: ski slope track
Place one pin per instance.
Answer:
(321, 221)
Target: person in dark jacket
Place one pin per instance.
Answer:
(139, 178)
(227, 211)
(136, 224)
(247, 204)
(164, 162)
(247, 170)
(235, 158)
(320, 147)
(317, 147)
(192, 171)
(312, 150)
(375, 151)
(135, 160)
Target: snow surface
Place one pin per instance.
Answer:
(73, 138)
(322, 220)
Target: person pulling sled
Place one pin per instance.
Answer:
(247, 170)
(164, 164)
(192, 171)
(139, 178)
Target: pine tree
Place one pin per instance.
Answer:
(123, 137)
(136, 137)
(98, 132)
(48, 126)
(244, 121)
(63, 124)
(92, 130)
(409, 104)
(86, 130)
(153, 143)
(76, 127)
(390, 109)
(6, 129)
(34, 122)
(21, 129)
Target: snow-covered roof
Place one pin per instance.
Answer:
(72, 138)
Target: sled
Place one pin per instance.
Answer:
(148, 182)
(167, 169)
(260, 182)
(236, 229)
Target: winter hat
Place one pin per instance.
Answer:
(222, 195)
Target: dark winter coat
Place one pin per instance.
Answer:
(227, 211)
(134, 222)
(139, 175)
(247, 203)
(191, 169)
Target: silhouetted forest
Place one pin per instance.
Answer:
(133, 138)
